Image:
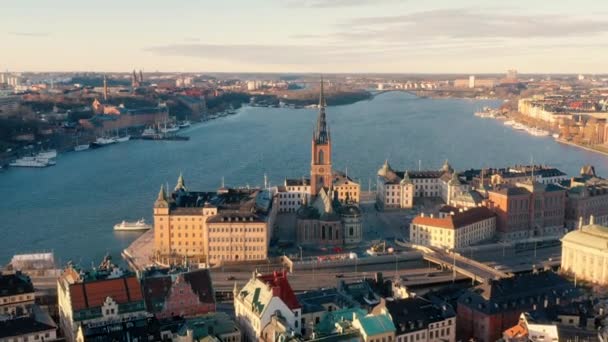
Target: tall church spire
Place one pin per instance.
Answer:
(105, 88)
(321, 134)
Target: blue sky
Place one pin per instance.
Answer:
(435, 36)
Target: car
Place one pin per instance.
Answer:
(340, 275)
(230, 278)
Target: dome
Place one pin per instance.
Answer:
(385, 170)
(351, 210)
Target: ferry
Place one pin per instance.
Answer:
(184, 124)
(32, 162)
(82, 147)
(137, 225)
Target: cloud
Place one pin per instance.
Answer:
(467, 23)
(30, 34)
(335, 3)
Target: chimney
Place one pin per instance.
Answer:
(421, 214)
(591, 220)
(580, 222)
(431, 215)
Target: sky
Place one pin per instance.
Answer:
(329, 36)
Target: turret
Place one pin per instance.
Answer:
(181, 184)
(161, 199)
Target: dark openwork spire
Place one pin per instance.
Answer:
(321, 133)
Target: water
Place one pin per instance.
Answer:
(71, 208)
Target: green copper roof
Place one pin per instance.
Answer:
(327, 324)
(376, 324)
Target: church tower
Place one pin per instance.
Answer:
(320, 164)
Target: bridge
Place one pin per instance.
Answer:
(409, 91)
(475, 270)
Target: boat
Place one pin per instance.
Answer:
(82, 147)
(519, 126)
(184, 124)
(555, 136)
(137, 225)
(149, 132)
(509, 123)
(123, 139)
(49, 154)
(103, 141)
(170, 129)
(32, 162)
(537, 132)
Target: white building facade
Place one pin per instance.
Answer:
(456, 230)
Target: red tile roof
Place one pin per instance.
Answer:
(93, 294)
(281, 288)
(458, 220)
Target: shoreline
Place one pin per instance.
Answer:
(590, 149)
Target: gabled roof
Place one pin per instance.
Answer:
(260, 290)
(92, 294)
(281, 288)
(157, 288)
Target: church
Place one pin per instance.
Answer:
(330, 214)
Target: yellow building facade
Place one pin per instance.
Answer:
(212, 227)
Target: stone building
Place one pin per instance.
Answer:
(98, 296)
(212, 227)
(330, 215)
(586, 196)
(327, 221)
(171, 293)
(17, 294)
(457, 229)
(487, 310)
(418, 319)
(400, 189)
(585, 253)
(262, 297)
(528, 209)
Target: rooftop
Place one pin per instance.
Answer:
(158, 286)
(14, 284)
(417, 313)
(458, 219)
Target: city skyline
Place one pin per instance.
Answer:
(340, 36)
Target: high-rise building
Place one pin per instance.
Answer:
(471, 81)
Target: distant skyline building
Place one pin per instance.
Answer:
(472, 81)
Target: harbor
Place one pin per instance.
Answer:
(120, 181)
